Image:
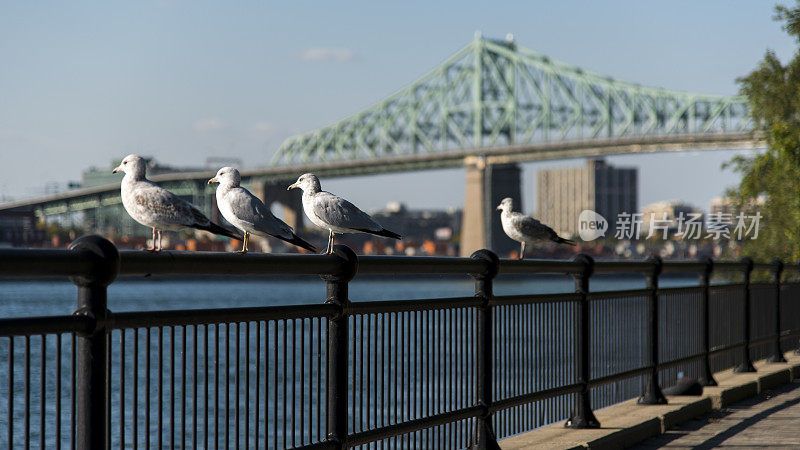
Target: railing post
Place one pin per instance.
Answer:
(582, 415)
(706, 375)
(796, 320)
(652, 393)
(484, 434)
(777, 354)
(338, 338)
(90, 347)
(746, 365)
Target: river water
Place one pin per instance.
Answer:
(23, 298)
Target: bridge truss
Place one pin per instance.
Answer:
(494, 94)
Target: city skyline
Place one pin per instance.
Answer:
(91, 83)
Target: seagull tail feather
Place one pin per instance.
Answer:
(383, 232)
(216, 229)
(561, 240)
(300, 242)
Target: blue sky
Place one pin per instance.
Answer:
(82, 83)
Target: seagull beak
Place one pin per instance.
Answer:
(291, 187)
(499, 208)
(213, 180)
(116, 169)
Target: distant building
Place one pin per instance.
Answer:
(563, 193)
(668, 211)
(727, 205)
(420, 224)
(102, 176)
(18, 227)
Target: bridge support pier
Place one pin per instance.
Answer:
(487, 185)
(291, 201)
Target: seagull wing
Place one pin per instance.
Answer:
(532, 228)
(151, 199)
(250, 209)
(340, 213)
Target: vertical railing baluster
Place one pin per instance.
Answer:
(777, 354)
(91, 344)
(484, 433)
(746, 365)
(652, 393)
(58, 392)
(582, 415)
(11, 389)
(42, 391)
(706, 375)
(338, 336)
(26, 418)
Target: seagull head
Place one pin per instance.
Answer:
(133, 165)
(227, 176)
(506, 205)
(308, 182)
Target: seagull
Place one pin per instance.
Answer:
(335, 214)
(526, 229)
(157, 208)
(249, 214)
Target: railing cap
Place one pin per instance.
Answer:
(348, 267)
(492, 261)
(587, 263)
(105, 260)
(657, 265)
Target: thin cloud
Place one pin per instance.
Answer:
(263, 128)
(212, 124)
(328, 54)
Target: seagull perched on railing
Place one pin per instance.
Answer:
(157, 208)
(335, 214)
(246, 212)
(526, 229)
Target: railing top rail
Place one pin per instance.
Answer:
(529, 266)
(623, 266)
(392, 265)
(38, 262)
(35, 262)
(730, 266)
(217, 263)
(684, 267)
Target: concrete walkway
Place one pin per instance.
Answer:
(757, 409)
(771, 419)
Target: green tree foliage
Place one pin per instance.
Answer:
(773, 93)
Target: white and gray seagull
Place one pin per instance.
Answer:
(157, 208)
(246, 212)
(335, 214)
(526, 229)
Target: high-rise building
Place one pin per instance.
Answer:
(563, 193)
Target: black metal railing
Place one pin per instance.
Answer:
(434, 373)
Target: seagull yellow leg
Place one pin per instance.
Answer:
(154, 242)
(244, 244)
(329, 248)
(159, 242)
(522, 251)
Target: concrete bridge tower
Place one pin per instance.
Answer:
(291, 201)
(487, 185)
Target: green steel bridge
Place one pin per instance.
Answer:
(493, 102)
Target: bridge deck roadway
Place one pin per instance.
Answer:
(544, 151)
